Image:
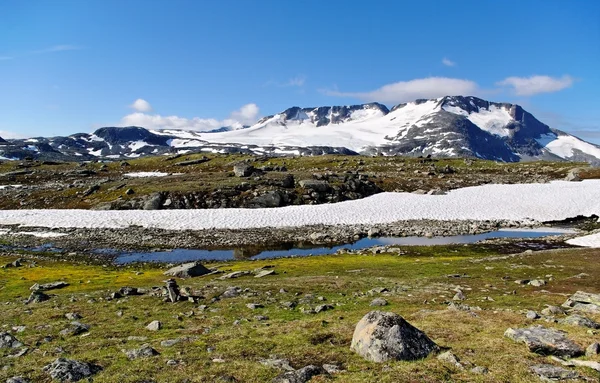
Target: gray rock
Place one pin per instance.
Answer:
(321, 308)
(243, 169)
(171, 290)
(382, 336)
(234, 274)
(254, 306)
(480, 370)
(9, 341)
(302, 375)
(170, 342)
(154, 325)
(545, 341)
(537, 282)
(18, 379)
(153, 201)
(450, 358)
(75, 328)
(532, 315)
(48, 286)
(552, 373)
(264, 273)
(37, 297)
(143, 352)
(584, 302)
(72, 316)
(573, 175)
(581, 321)
(187, 270)
(68, 370)
(332, 368)
(316, 185)
(553, 310)
(378, 302)
(275, 362)
(459, 296)
(592, 349)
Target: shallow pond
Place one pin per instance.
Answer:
(182, 255)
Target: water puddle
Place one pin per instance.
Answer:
(182, 255)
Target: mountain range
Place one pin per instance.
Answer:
(451, 126)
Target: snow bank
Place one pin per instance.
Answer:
(592, 240)
(145, 174)
(540, 202)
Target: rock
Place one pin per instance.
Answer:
(273, 198)
(49, 286)
(585, 302)
(553, 310)
(129, 291)
(264, 273)
(578, 320)
(553, 373)
(72, 316)
(274, 362)
(192, 162)
(254, 306)
(68, 370)
(321, 308)
(459, 296)
(319, 186)
(373, 232)
(592, 349)
(480, 370)
(187, 270)
(129, 191)
(578, 363)
(37, 297)
(545, 341)
(171, 290)
(288, 181)
(154, 325)
(235, 274)
(75, 328)
(382, 336)
(302, 375)
(450, 358)
(537, 282)
(532, 315)
(170, 342)
(143, 352)
(243, 169)
(18, 379)
(522, 281)
(153, 201)
(573, 175)
(9, 341)
(378, 302)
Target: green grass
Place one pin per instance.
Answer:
(419, 287)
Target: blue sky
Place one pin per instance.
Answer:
(73, 66)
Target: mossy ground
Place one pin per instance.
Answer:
(420, 289)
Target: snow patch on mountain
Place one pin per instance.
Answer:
(565, 146)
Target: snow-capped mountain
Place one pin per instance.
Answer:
(452, 126)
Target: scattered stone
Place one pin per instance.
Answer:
(143, 352)
(171, 291)
(585, 302)
(382, 336)
(450, 358)
(332, 368)
(378, 302)
(231, 292)
(522, 281)
(18, 379)
(154, 325)
(581, 321)
(37, 296)
(129, 291)
(573, 175)
(264, 273)
(68, 370)
(275, 362)
(319, 186)
(537, 282)
(321, 308)
(459, 296)
(243, 169)
(545, 341)
(261, 318)
(75, 328)
(578, 363)
(553, 373)
(73, 316)
(137, 338)
(302, 375)
(480, 370)
(172, 362)
(592, 349)
(235, 274)
(553, 310)
(254, 306)
(187, 270)
(9, 341)
(170, 342)
(532, 315)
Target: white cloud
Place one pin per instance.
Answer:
(10, 135)
(246, 115)
(58, 48)
(528, 86)
(141, 105)
(297, 81)
(405, 91)
(447, 62)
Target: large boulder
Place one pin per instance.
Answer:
(9, 341)
(545, 341)
(243, 169)
(68, 370)
(382, 336)
(316, 185)
(187, 270)
(585, 302)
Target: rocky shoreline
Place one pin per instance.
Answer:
(88, 241)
